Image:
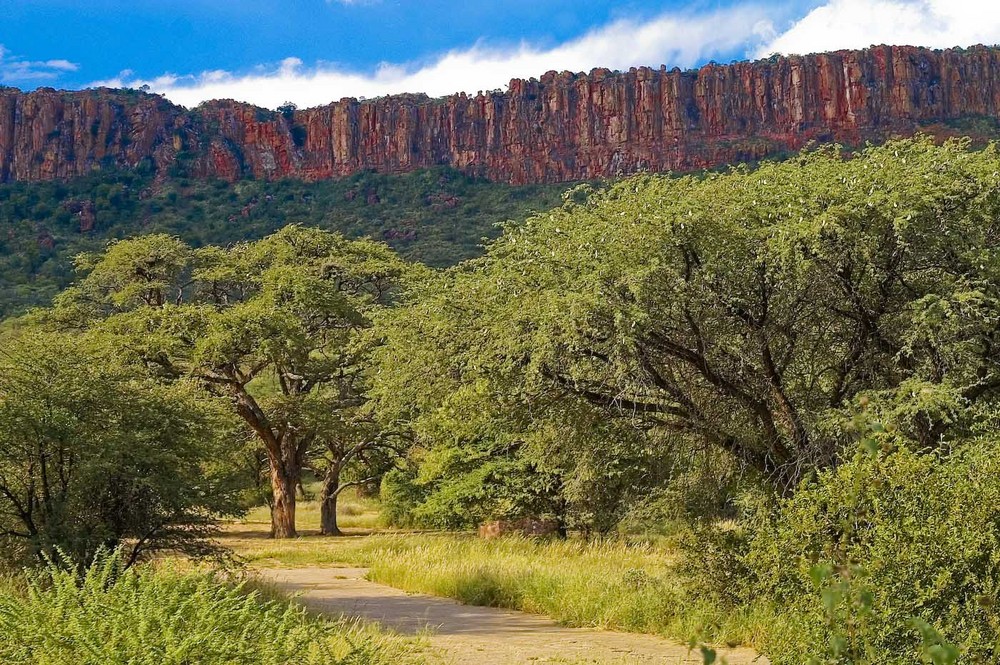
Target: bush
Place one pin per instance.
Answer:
(870, 554)
(148, 616)
(399, 495)
(95, 453)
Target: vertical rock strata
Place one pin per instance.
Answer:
(562, 127)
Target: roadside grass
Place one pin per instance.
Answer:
(621, 584)
(174, 615)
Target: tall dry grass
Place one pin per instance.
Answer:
(616, 584)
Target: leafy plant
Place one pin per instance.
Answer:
(164, 616)
(277, 327)
(96, 453)
(891, 542)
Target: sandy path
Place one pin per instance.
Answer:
(471, 635)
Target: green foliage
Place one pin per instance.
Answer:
(137, 272)
(701, 490)
(744, 311)
(488, 443)
(746, 314)
(399, 496)
(278, 327)
(438, 216)
(164, 616)
(95, 453)
(891, 543)
(681, 349)
(934, 648)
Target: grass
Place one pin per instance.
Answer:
(353, 513)
(171, 615)
(619, 584)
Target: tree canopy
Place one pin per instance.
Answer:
(747, 311)
(276, 326)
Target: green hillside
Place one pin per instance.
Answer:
(437, 216)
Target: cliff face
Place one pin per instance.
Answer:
(560, 128)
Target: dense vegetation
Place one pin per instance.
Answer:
(735, 320)
(792, 371)
(170, 617)
(723, 345)
(276, 328)
(892, 542)
(438, 217)
(96, 453)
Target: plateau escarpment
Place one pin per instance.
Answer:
(562, 127)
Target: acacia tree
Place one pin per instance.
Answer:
(353, 452)
(269, 324)
(489, 441)
(744, 310)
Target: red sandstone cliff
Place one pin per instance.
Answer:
(563, 127)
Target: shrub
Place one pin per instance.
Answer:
(891, 541)
(96, 453)
(399, 496)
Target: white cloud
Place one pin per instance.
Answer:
(675, 40)
(15, 69)
(682, 40)
(853, 24)
(61, 65)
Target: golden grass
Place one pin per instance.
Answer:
(621, 584)
(615, 584)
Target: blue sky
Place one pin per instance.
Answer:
(315, 51)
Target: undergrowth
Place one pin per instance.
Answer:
(165, 616)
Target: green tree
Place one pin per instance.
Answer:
(742, 310)
(353, 451)
(488, 441)
(96, 454)
(275, 326)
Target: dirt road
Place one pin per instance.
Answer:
(468, 635)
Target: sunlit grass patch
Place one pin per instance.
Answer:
(353, 512)
(616, 584)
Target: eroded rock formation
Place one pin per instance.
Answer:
(562, 127)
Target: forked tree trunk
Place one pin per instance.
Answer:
(282, 503)
(328, 505)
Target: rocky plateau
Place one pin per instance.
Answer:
(561, 127)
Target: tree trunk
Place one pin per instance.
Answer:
(328, 506)
(562, 531)
(282, 503)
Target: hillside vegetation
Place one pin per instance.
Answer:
(438, 216)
